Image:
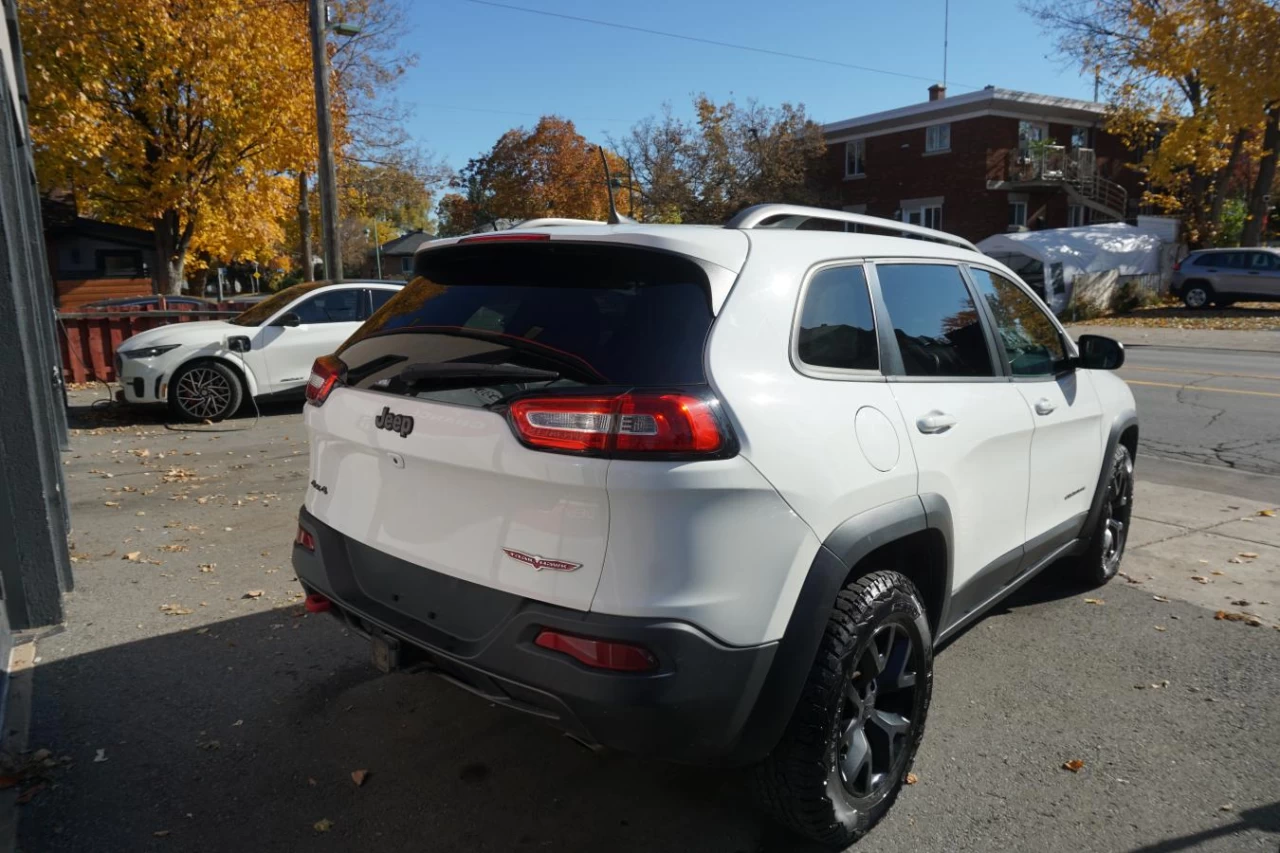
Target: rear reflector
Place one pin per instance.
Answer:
(317, 603)
(326, 373)
(304, 539)
(627, 423)
(600, 654)
(504, 238)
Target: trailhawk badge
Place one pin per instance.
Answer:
(540, 563)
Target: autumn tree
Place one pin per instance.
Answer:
(730, 156)
(157, 115)
(1195, 84)
(551, 170)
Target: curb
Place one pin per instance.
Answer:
(17, 731)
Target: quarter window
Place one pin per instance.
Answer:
(1030, 339)
(935, 322)
(380, 297)
(1263, 261)
(937, 137)
(836, 326)
(855, 157)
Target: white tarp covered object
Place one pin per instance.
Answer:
(1066, 253)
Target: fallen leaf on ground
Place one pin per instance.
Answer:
(208, 567)
(1094, 601)
(1226, 807)
(323, 825)
(1161, 628)
(1235, 560)
(174, 610)
(111, 503)
(1268, 513)
(174, 548)
(912, 778)
(1158, 598)
(1074, 765)
(100, 757)
(1199, 579)
(1247, 618)
(133, 556)
(358, 776)
(253, 593)
(1240, 603)
(160, 833)
(1248, 555)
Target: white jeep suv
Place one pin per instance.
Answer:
(710, 494)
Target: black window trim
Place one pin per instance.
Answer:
(815, 371)
(889, 344)
(989, 323)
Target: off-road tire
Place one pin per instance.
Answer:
(800, 783)
(225, 392)
(1100, 560)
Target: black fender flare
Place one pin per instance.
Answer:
(843, 549)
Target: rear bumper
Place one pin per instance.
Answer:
(701, 705)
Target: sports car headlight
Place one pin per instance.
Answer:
(148, 352)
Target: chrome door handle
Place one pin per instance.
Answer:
(935, 422)
(1044, 407)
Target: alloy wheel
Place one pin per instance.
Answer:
(204, 393)
(877, 713)
(1116, 513)
(1197, 298)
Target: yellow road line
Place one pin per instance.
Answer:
(1202, 372)
(1204, 388)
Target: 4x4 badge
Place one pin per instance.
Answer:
(540, 563)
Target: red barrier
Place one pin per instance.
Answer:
(89, 340)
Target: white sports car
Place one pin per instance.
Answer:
(204, 370)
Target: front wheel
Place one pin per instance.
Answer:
(1101, 558)
(205, 391)
(855, 731)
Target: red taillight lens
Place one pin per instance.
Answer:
(625, 423)
(317, 603)
(600, 654)
(304, 539)
(1177, 265)
(326, 373)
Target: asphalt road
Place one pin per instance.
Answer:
(195, 718)
(1215, 407)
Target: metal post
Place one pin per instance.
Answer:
(377, 247)
(304, 230)
(327, 177)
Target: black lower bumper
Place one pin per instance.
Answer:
(699, 706)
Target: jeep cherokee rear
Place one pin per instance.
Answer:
(666, 497)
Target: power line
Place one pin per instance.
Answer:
(514, 112)
(714, 42)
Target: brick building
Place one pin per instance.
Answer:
(985, 162)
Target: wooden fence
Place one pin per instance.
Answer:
(89, 339)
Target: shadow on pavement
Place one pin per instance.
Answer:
(87, 411)
(1265, 818)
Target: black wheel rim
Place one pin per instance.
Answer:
(877, 712)
(203, 392)
(1115, 516)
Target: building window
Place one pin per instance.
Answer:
(855, 158)
(119, 264)
(937, 138)
(406, 263)
(1018, 213)
(855, 208)
(1030, 132)
(1079, 137)
(921, 211)
(1076, 216)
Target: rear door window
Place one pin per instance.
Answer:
(836, 328)
(593, 314)
(935, 321)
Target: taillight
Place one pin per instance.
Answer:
(325, 374)
(1177, 265)
(304, 539)
(679, 424)
(600, 654)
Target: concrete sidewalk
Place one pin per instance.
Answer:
(1212, 550)
(1231, 339)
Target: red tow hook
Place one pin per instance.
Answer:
(317, 603)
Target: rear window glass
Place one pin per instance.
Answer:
(594, 314)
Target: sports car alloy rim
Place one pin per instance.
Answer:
(204, 393)
(877, 712)
(1116, 516)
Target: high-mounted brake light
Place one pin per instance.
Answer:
(326, 373)
(504, 238)
(626, 423)
(600, 654)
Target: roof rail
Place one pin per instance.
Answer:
(795, 215)
(548, 221)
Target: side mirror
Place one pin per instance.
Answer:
(290, 320)
(1100, 353)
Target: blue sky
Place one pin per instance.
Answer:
(483, 69)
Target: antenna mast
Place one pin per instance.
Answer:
(615, 218)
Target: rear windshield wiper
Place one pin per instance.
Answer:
(449, 372)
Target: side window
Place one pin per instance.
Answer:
(1212, 259)
(380, 297)
(334, 306)
(836, 325)
(1262, 261)
(1030, 340)
(934, 320)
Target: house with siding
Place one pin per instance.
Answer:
(985, 162)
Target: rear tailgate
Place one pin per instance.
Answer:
(454, 495)
(430, 471)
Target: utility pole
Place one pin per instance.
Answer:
(377, 247)
(327, 177)
(304, 229)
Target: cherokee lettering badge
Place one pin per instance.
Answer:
(540, 563)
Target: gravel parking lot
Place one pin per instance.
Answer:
(195, 706)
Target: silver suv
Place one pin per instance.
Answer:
(1226, 276)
